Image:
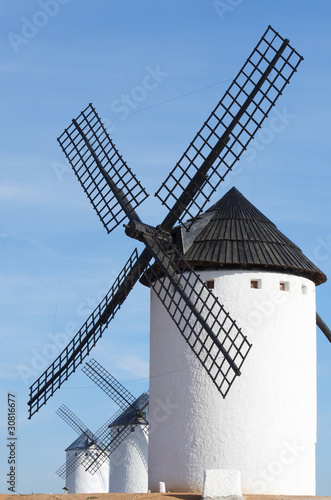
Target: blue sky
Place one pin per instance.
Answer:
(57, 261)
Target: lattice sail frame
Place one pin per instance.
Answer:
(222, 362)
(85, 339)
(84, 162)
(116, 438)
(223, 128)
(123, 398)
(102, 438)
(109, 384)
(73, 421)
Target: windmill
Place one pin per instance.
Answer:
(118, 448)
(129, 432)
(266, 426)
(85, 448)
(211, 334)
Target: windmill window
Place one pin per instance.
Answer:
(210, 284)
(256, 284)
(284, 286)
(304, 290)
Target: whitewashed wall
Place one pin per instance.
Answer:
(129, 464)
(81, 481)
(266, 426)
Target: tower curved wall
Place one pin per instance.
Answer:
(266, 425)
(82, 481)
(129, 463)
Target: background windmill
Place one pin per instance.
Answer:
(118, 448)
(212, 352)
(84, 449)
(128, 441)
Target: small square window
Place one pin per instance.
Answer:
(304, 290)
(284, 286)
(256, 284)
(210, 284)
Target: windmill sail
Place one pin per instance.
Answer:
(230, 127)
(85, 339)
(323, 327)
(115, 193)
(214, 337)
(95, 159)
(109, 384)
(73, 421)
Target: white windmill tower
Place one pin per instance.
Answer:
(266, 426)
(127, 445)
(115, 458)
(84, 449)
(215, 339)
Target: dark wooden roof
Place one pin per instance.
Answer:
(129, 416)
(83, 442)
(234, 234)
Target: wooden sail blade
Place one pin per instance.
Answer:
(214, 337)
(109, 384)
(323, 327)
(110, 185)
(73, 421)
(85, 339)
(229, 129)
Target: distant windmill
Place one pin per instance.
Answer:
(129, 461)
(216, 343)
(85, 447)
(120, 443)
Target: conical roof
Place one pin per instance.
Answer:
(135, 414)
(235, 234)
(83, 442)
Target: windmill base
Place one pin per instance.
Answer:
(222, 484)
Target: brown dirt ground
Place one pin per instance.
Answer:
(145, 496)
